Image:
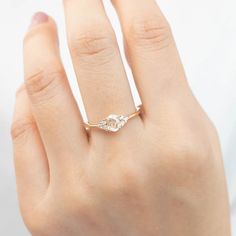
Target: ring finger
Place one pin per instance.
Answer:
(100, 72)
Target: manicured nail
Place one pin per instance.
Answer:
(38, 18)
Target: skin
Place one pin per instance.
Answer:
(162, 174)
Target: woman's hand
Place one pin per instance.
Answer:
(160, 175)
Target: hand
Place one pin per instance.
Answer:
(161, 174)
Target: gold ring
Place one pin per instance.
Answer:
(113, 123)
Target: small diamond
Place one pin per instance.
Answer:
(113, 123)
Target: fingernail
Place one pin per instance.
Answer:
(38, 18)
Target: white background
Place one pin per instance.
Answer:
(205, 31)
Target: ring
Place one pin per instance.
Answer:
(113, 123)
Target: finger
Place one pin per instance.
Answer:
(53, 105)
(97, 62)
(31, 165)
(151, 52)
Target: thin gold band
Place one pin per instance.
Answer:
(116, 121)
(137, 113)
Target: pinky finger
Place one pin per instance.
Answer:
(31, 165)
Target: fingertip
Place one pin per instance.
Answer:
(39, 18)
(41, 25)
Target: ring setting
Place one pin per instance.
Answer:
(113, 123)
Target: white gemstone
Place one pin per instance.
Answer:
(113, 123)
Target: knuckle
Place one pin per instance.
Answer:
(189, 157)
(21, 128)
(42, 85)
(128, 183)
(152, 33)
(82, 207)
(73, 195)
(93, 43)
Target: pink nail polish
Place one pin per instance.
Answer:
(38, 18)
